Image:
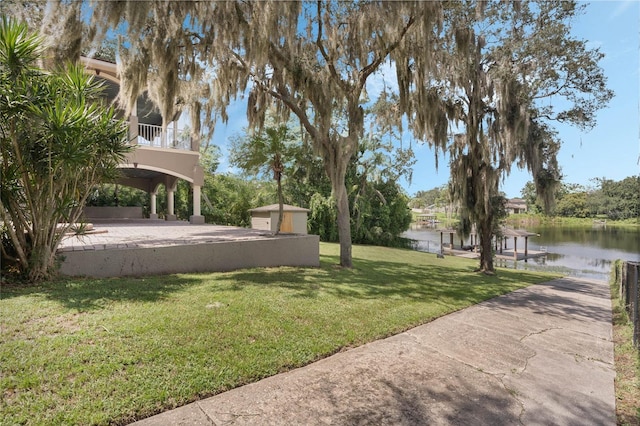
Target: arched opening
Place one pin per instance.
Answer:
(162, 154)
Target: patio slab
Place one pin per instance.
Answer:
(153, 247)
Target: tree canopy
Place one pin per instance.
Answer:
(312, 59)
(470, 78)
(608, 199)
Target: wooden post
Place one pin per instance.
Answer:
(634, 312)
(526, 252)
(515, 248)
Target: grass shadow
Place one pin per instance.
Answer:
(372, 279)
(86, 294)
(369, 279)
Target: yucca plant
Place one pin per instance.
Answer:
(56, 142)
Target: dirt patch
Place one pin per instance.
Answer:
(48, 326)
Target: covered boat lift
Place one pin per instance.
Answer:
(515, 233)
(500, 242)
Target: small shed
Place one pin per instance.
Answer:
(294, 219)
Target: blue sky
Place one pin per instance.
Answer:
(610, 150)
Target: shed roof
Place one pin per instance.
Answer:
(276, 207)
(506, 232)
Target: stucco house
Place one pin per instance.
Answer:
(516, 205)
(162, 154)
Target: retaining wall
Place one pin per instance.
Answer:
(293, 250)
(108, 212)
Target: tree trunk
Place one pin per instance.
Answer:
(336, 165)
(486, 255)
(40, 263)
(344, 223)
(280, 203)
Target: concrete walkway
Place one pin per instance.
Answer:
(538, 356)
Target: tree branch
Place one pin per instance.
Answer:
(332, 69)
(285, 98)
(370, 68)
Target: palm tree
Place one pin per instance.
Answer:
(264, 153)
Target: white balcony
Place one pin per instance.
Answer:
(173, 138)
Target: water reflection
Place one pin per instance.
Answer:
(586, 252)
(621, 239)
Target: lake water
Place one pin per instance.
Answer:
(586, 252)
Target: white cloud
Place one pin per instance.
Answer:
(621, 8)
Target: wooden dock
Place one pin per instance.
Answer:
(505, 255)
(500, 245)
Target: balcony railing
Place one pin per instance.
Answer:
(153, 136)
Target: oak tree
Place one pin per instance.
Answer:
(310, 59)
(506, 72)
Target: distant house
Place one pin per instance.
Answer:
(516, 205)
(431, 209)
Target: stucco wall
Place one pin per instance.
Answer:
(300, 223)
(107, 212)
(293, 250)
(261, 221)
(269, 221)
(183, 164)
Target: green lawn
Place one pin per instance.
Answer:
(82, 351)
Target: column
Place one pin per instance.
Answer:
(163, 136)
(170, 201)
(154, 213)
(515, 248)
(197, 217)
(133, 129)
